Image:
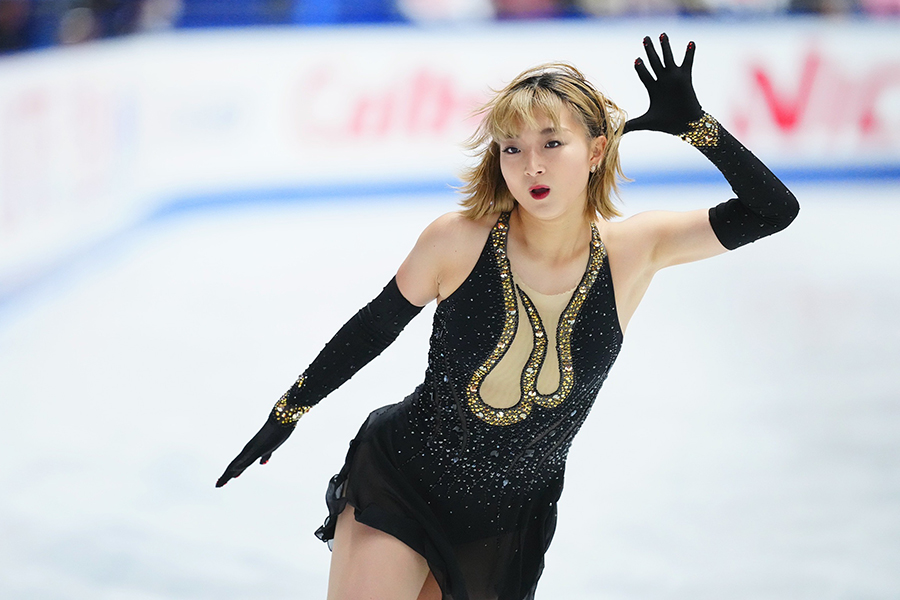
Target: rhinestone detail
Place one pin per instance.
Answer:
(287, 414)
(702, 133)
(530, 396)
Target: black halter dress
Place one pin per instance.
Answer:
(470, 487)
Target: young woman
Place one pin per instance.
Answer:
(452, 493)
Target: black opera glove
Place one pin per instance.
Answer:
(361, 339)
(763, 206)
(673, 103)
(272, 435)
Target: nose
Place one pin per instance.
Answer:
(533, 165)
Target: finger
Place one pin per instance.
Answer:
(265, 458)
(226, 477)
(668, 59)
(688, 62)
(235, 468)
(653, 57)
(643, 73)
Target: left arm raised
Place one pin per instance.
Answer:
(763, 204)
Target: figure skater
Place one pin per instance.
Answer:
(452, 493)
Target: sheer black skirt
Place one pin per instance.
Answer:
(498, 563)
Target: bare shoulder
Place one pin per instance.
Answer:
(628, 235)
(443, 256)
(455, 233)
(631, 229)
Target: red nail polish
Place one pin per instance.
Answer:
(637, 61)
(691, 45)
(662, 37)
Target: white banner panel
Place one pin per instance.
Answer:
(94, 137)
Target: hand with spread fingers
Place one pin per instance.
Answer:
(272, 435)
(673, 103)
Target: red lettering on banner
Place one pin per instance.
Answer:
(879, 85)
(58, 153)
(27, 146)
(372, 114)
(786, 110)
(827, 102)
(421, 104)
(432, 94)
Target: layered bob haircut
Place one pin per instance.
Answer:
(547, 89)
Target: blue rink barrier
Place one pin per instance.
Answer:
(331, 192)
(19, 288)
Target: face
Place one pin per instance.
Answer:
(546, 168)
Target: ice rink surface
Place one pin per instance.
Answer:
(745, 446)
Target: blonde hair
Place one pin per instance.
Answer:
(543, 90)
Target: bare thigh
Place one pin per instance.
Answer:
(368, 564)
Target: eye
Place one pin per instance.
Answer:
(510, 150)
(553, 144)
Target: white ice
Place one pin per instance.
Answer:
(745, 446)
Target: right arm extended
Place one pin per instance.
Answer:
(361, 339)
(442, 257)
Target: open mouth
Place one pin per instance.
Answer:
(539, 192)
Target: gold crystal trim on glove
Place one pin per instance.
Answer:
(530, 396)
(702, 133)
(286, 414)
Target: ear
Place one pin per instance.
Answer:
(598, 148)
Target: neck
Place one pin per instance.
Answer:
(553, 240)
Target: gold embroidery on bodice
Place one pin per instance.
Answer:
(511, 403)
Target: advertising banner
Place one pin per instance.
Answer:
(95, 137)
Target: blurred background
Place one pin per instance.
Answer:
(28, 24)
(196, 194)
